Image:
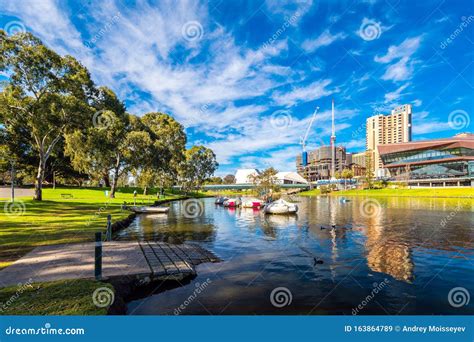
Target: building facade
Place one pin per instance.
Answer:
(244, 176)
(437, 162)
(358, 164)
(387, 129)
(319, 163)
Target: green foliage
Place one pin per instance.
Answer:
(229, 179)
(325, 189)
(57, 125)
(266, 181)
(199, 165)
(47, 96)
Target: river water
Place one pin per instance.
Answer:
(385, 256)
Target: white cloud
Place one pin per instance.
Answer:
(399, 71)
(407, 48)
(395, 95)
(423, 124)
(308, 93)
(324, 39)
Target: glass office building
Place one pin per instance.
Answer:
(449, 158)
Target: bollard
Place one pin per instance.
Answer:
(98, 256)
(109, 227)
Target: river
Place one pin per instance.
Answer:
(392, 256)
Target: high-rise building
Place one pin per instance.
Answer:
(387, 129)
(320, 163)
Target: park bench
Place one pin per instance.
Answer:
(67, 196)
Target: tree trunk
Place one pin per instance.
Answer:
(115, 177)
(145, 190)
(39, 179)
(106, 178)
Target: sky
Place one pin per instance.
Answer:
(244, 77)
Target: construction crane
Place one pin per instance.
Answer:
(304, 156)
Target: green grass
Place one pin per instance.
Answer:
(66, 297)
(59, 220)
(434, 192)
(313, 192)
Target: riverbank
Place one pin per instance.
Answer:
(66, 215)
(425, 192)
(65, 297)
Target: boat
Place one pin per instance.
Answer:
(280, 207)
(220, 200)
(252, 203)
(232, 202)
(149, 210)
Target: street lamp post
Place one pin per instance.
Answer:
(13, 180)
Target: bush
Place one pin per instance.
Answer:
(324, 189)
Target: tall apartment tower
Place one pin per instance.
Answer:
(387, 129)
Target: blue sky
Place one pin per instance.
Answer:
(245, 77)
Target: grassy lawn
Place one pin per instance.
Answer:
(434, 192)
(60, 220)
(66, 297)
(313, 192)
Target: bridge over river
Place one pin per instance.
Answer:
(217, 187)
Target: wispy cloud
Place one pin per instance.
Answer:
(407, 48)
(324, 39)
(308, 93)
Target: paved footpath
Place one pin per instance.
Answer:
(143, 260)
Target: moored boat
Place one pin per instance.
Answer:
(252, 203)
(149, 210)
(232, 202)
(220, 200)
(280, 207)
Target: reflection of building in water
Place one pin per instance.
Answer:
(386, 253)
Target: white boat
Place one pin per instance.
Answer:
(252, 203)
(280, 207)
(232, 202)
(149, 210)
(221, 200)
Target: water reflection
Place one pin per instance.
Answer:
(408, 241)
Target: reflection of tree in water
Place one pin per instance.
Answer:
(177, 236)
(171, 229)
